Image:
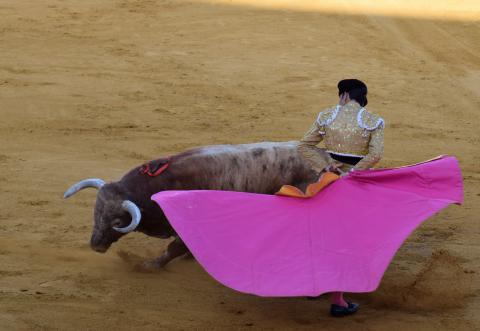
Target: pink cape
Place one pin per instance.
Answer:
(341, 239)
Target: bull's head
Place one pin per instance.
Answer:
(113, 215)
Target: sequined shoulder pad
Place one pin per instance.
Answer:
(327, 116)
(369, 121)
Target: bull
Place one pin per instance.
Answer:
(125, 206)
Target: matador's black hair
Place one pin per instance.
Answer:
(356, 89)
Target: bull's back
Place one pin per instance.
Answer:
(259, 168)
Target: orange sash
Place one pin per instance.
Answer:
(312, 189)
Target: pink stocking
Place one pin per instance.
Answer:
(337, 299)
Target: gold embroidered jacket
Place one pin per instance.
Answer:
(346, 130)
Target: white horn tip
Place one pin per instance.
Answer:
(68, 193)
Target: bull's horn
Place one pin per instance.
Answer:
(91, 182)
(136, 217)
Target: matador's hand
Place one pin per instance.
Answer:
(335, 167)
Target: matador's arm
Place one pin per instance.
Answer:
(375, 150)
(310, 152)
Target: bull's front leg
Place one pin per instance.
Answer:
(175, 249)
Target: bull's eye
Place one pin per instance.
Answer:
(117, 223)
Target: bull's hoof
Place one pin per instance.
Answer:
(151, 265)
(188, 256)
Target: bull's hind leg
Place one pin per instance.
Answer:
(175, 249)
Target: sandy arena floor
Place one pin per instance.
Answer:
(93, 88)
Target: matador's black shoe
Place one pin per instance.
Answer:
(340, 311)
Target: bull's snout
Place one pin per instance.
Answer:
(99, 243)
(99, 249)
